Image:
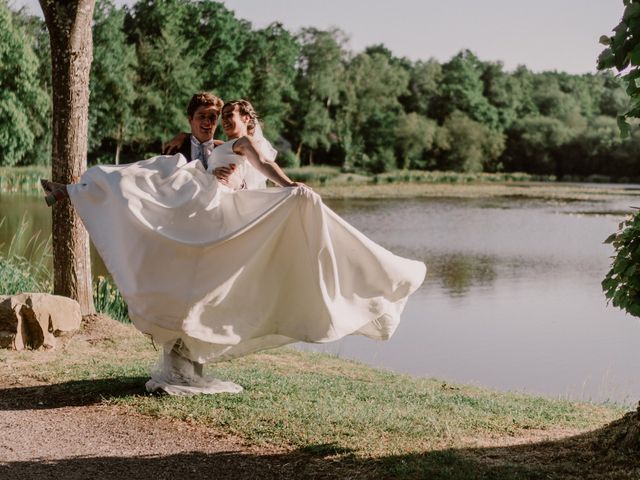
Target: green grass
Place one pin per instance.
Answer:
(108, 300)
(375, 422)
(23, 265)
(323, 175)
(319, 175)
(22, 179)
(302, 399)
(26, 179)
(421, 176)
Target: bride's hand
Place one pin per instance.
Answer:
(299, 184)
(223, 173)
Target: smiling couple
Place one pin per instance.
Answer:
(213, 267)
(238, 119)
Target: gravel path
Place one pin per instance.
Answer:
(107, 442)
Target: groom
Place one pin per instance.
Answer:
(203, 112)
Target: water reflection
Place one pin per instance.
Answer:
(512, 298)
(20, 212)
(457, 273)
(32, 213)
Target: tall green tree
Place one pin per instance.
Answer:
(621, 283)
(509, 93)
(462, 89)
(217, 42)
(424, 84)
(415, 136)
(111, 114)
(167, 67)
(368, 112)
(24, 105)
(271, 54)
(536, 145)
(319, 81)
(468, 145)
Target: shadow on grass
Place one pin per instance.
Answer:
(574, 458)
(608, 453)
(70, 394)
(187, 466)
(595, 455)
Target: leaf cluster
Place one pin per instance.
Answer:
(622, 283)
(622, 52)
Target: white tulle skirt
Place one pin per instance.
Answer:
(229, 273)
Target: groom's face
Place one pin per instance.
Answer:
(203, 123)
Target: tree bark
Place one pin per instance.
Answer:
(69, 25)
(299, 152)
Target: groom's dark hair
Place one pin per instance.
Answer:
(203, 99)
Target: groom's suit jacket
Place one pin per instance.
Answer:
(185, 149)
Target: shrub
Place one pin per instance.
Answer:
(108, 300)
(621, 284)
(288, 159)
(20, 274)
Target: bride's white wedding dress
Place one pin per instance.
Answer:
(228, 273)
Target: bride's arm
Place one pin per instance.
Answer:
(246, 147)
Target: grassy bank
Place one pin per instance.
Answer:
(330, 183)
(346, 419)
(22, 179)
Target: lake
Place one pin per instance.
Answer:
(512, 298)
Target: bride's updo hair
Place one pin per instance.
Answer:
(244, 108)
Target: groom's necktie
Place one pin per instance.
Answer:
(202, 150)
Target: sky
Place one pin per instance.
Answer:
(542, 34)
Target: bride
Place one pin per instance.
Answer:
(214, 273)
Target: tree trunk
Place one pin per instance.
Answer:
(119, 144)
(69, 25)
(299, 153)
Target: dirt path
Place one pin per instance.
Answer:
(48, 432)
(110, 442)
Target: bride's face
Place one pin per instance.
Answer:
(234, 124)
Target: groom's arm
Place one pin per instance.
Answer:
(174, 145)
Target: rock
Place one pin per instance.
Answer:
(36, 320)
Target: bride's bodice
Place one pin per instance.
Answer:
(224, 155)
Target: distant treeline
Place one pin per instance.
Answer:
(320, 102)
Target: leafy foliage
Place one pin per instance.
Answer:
(622, 283)
(321, 103)
(111, 117)
(24, 105)
(622, 52)
(271, 55)
(108, 300)
(24, 264)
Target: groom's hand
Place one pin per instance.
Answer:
(175, 143)
(223, 173)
